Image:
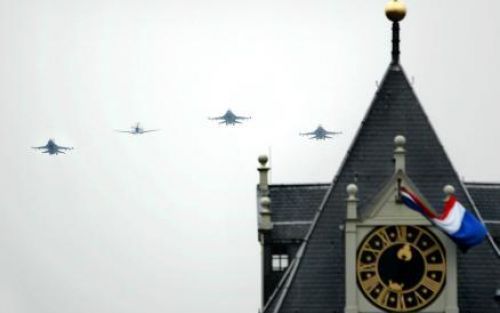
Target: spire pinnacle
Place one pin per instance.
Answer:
(395, 10)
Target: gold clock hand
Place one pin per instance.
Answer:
(405, 253)
(395, 286)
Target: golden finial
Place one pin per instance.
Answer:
(395, 10)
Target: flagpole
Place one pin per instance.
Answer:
(471, 201)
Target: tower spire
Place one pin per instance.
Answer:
(395, 10)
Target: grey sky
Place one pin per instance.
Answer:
(166, 222)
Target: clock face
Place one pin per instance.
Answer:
(401, 268)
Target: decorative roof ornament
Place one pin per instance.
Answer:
(399, 153)
(395, 10)
(263, 175)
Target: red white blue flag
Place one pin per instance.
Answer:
(458, 223)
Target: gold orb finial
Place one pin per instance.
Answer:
(395, 10)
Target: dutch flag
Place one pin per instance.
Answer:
(459, 224)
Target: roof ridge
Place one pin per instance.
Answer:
(493, 244)
(283, 293)
(278, 287)
(290, 278)
(482, 184)
(303, 247)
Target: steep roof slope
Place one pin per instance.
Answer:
(293, 209)
(487, 198)
(297, 202)
(479, 270)
(316, 283)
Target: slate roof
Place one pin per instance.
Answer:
(298, 202)
(487, 197)
(293, 208)
(315, 284)
(287, 232)
(480, 272)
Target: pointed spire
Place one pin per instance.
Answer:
(395, 43)
(395, 10)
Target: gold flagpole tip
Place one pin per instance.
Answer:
(395, 10)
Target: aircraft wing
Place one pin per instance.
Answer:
(150, 130)
(41, 147)
(124, 131)
(243, 117)
(64, 148)
(307, 134)
(334, 133)
(216, 118)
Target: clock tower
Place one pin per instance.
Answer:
(323, 253)
(395, 260)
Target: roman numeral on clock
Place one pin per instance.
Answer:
(430, 284)
(385, 239)
(435, 267)
(370, 283)
(431, 250)
(368, 267)
(401, 230)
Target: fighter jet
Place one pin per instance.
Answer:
(320, 133)
(137, 130)
(51, 148)
(229, 118)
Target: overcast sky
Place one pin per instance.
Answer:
(166, 222)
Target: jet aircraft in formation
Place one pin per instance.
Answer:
(52, 148)
(229, 118)
(320, 133)
(137, 130)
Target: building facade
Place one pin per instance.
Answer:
(352, 246)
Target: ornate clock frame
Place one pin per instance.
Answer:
(386, 211)
(401, 268)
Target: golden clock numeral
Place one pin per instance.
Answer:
(435, 267)
(370, 283)
(385, 239)
(401, 302)
(383, 296)
(374, 251)
(419, 298)
(368, 267)
(431, 250)
(401, 230)
(431, 284)
(420, 233)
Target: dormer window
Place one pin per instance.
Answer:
(280, 262)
